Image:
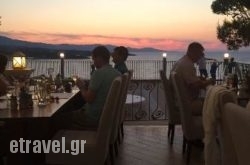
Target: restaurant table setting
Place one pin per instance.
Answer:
(28, 100)
(32, 123)
(240, 89)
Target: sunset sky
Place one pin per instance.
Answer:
(162, 24)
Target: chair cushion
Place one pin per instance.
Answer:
(238, 119)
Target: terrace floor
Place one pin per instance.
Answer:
(148, 145)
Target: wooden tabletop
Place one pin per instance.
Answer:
(37, 111)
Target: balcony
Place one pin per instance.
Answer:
(145, 141)
(145, 82)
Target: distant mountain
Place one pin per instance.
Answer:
(43, 50)
(40, 50)
(5, 41)
(144, 49)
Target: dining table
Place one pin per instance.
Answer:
(37, 111)
(33, 123)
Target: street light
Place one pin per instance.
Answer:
(226, 61)
(62, 64)
(226, 58)
(226, 55)
(164, 55)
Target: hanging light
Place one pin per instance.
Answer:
(19, 60)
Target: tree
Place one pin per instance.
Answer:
(235, 31)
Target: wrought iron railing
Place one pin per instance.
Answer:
(142, 69)
(145, 82)
(154, 105)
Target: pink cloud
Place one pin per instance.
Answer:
(162, 43)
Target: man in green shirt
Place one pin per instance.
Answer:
(93, 94)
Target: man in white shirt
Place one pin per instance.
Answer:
(192, 83)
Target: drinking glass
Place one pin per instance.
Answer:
(41, 92)
(10, 92)
(74, 78)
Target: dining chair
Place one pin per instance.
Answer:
(172, 110)
(113, 146)
(236, 119)
(123, 112)
(97, 142)
(215, 132)
(191, 125)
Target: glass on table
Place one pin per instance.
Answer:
(5, 101)
(41, 92)
(228, 81)
(74, 78)
(10, 91)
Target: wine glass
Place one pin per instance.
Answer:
(42, 93)
(74, 78)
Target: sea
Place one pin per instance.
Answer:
(239, 56)
(150, 68)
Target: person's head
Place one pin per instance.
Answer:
(195, 51)
(120, 54)
(232, 59)
(3, 63)
(100, 56)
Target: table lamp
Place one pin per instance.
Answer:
(19, 61)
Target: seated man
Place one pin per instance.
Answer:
(94, 94)
(185, 69)
(120, 55)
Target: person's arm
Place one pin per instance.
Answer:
(87, 94)
(201, 84)
(193, 81)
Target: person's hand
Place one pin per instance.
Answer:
(211, 81)
(202, 78)
(81, 84)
